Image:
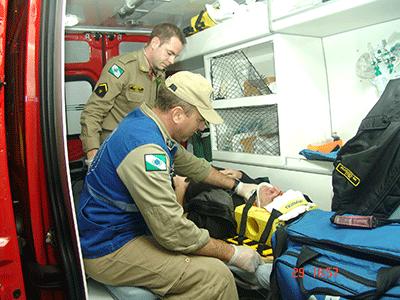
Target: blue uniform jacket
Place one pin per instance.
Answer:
(107, 216)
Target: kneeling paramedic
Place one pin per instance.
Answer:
(132, 229)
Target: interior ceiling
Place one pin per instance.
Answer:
(146, 13)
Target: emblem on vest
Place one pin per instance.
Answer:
(116, 71)
(136, 88)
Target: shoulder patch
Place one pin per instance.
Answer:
(155, 162)
(116, 70)
(101, 90)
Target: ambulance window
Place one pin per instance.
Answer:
(76, 95)
(76, 52)
(125, 47)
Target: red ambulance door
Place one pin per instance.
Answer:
(11, 278)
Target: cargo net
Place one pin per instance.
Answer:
(249, 130)
(234, 76)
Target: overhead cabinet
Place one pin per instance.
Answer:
(237, 30)
(321, 18)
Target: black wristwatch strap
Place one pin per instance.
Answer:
(233, 189)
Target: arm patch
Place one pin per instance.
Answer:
(101, 90)
(155, 162)
(116, 71)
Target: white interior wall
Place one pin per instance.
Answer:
(303, 94)
(351, 97)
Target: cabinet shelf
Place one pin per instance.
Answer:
(285, 163)
(246, 101)
(337, 16)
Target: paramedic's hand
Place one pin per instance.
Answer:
(232, 173)
(245, 258)
(245, 190)
(90, 156)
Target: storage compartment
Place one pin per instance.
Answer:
(243, 72)
(243, 79)
(251, 129)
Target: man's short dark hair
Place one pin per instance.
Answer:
(165, 31)
(167, 100)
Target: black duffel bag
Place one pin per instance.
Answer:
(366, 178)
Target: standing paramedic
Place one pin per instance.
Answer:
(125, 82)
(132, 229)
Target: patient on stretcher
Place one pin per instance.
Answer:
(290, 203)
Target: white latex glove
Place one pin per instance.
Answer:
(245, 258)
(90, 156)
(245, 190)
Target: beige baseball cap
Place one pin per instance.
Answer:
(196, 90)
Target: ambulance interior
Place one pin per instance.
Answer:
(286, 74)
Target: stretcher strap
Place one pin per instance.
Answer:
(267, 230)
(243, 220)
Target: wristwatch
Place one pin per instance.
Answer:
(233, 189)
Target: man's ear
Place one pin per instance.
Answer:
(155, 42)
(178, 115)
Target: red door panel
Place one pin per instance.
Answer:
(24, 146)
(91, 68)
(11, 278)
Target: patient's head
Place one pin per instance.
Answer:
(266, 193)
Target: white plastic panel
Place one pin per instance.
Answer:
(352, 97)
(303, 103)
(126, 47)
(334, 16)
(76, 52)
(76, 95)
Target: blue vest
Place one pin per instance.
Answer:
(108, 217)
